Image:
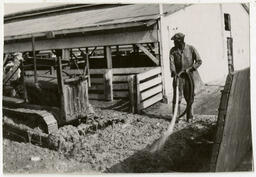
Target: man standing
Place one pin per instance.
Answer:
(184, 59)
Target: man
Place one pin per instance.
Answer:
(15, 80)
(183, 58)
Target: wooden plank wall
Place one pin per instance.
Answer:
(120, 82)
(149, 88)
(233, 140)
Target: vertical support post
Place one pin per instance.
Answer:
(108, 56)
(59, 75)
(25, 95)
(66, 56)
(164, 56)
(87, 69)
(108, 76)
(138, 110)
(108, 85)
(60, 86)
(131, 87)
(34, 56)
(52, 70)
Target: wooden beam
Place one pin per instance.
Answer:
(121, 94)
(151, 101)
(66, 54)
(34, 56)
(25, 95)
(93, 40)
(151, 92)
(131, 85)
(78, 30)
(61, 88)
(108, 56)
(123, 78)
(150, 83)
(149, 73)
(120, 86)
(152, 57)
(108, 84)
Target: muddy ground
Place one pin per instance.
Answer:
(123, 146)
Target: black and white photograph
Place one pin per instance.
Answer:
(107, 88)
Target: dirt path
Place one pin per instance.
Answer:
(206, 103)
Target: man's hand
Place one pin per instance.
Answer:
(189, 69)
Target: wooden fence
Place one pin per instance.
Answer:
(148, 88)
(141, 86)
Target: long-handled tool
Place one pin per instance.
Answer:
(160, 142)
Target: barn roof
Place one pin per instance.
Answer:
(85, 19)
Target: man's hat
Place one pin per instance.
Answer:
(178, 37)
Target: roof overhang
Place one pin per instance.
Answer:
(94, 28)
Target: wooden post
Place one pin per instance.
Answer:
(137, 95)
(108, 85)
(60, 86)
(66, 55)
(34, 56)
(59, 75)
(131, 86)
(25, 95)
(108, 77)
(108, 55)
(164, 41)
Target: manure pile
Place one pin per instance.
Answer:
(119, 142)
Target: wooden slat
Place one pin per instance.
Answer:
(97, 80)
(121, 94)
(150, 83)
(120, 78)
(131, 70)
(151, 101)
(149, 73)
(115, 70)
(151, 92)
(152, 57)
(93, 96)
(96, 87)
(97, 71)
(120, 86)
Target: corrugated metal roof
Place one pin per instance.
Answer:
(82, 19)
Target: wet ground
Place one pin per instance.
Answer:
(123, 146)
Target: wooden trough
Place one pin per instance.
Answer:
(233, 136)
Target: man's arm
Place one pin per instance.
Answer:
(196, 58)
(172, 65)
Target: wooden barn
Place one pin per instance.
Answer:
(128, 44)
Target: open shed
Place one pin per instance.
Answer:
(128, 44)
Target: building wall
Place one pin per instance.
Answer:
(240, 34)
(203, 25)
